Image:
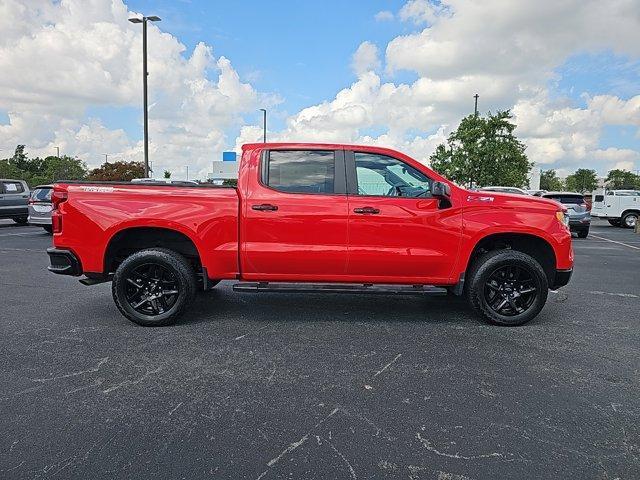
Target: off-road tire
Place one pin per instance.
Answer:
(484, 266)
(167, 259)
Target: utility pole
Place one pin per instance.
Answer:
(187, 166)
(58, 152)
(145, 74)
(264, 124)
(476, 107)
(106, 158)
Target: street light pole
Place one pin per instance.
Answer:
(187, 171)
(476, 108)
(58, 152)
(145, 74)
(264, 124)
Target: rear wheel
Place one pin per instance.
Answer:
(48, 228)
(630, 220)
(21, 220)
(583, 233)
(507, 287)
(614, 221)
(154, 287)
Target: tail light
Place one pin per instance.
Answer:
(57, 197)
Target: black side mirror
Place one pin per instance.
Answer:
(440, 189)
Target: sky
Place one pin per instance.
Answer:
(395, 73)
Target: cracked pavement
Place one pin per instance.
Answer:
(276, 386)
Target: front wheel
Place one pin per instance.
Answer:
(153, 287)
(507, 287)
(630, 220)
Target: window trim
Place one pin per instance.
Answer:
(339, 171)
(352, 176)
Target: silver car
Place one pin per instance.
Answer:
(14, 196)
(577, 211)
(40, 207)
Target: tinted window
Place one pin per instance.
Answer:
(380, 175)
(599, 198)
(13, 187)
(41, 194)
(567, 199)
(302, 171)
(628, 194)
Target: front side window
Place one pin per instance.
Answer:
(301, 171)
(380, 175)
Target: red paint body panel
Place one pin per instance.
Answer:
(309, 237)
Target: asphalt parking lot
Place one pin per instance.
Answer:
(319, 386)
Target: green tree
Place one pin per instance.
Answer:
(583, 180)
(37, 171)
(549, 181)
(167, 174)
(117, 171)
(621, 179)
(483, 151)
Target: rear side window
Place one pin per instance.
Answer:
(567, 199)
(599, 198)
(301, 171)
(41, 195)
(13, 187)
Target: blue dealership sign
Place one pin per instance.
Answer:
(228, 156)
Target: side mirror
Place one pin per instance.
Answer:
(440, 189)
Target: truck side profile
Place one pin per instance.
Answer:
(312, 217)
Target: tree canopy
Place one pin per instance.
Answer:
(621, 179)
(117, 171)
(583, 180)
(39, 171)
(550, 181)
(484, 151)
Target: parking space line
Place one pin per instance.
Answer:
(614, 241)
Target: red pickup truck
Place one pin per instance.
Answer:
(312, 217)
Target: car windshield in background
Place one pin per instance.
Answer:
(41, 195)
(567, 199)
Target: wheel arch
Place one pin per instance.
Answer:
(129, 240)
(532, 245)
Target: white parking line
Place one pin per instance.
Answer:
(614, 241)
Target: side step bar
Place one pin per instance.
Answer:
(277, 287)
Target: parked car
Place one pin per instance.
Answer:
(40, 207)
(577, 210)
(536, 193)
(514, 190)
(14, 197)
(312, 218)
(618, 207)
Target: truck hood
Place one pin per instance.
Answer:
(510, 200)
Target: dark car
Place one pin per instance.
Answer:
(40, 207)
(577, 210)
(14, 197)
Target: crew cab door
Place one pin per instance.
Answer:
(398, 232)
(295, 216)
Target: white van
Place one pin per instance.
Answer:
(619, 207)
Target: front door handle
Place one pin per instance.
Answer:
(366, 211)
(264, 206)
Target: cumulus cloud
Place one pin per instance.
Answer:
(384, 16)
(365, 58)
(59, 58)
(507, 52)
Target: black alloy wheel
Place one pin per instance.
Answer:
(153, 287)
(510, 290)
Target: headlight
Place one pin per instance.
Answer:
(562, 218)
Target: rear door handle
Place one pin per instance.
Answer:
(366, 211)
(264, 206)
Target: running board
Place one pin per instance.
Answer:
(277, 287)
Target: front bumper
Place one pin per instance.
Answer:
(561, 278)
(63, 262)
